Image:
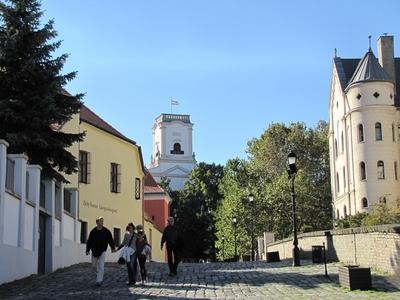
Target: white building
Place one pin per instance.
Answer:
(173, 155)
(365, 130)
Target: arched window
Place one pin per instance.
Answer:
(378, 131)
(363, 174)
(337, 214)
(381, 169)
(382, 200)
(337, 182)
(336, 149)
(344, 178)
(360, 133)
(364, 202)
(393, 134)
(177, 149)
(342, 141)
(345, 211)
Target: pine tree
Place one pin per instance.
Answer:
(33, 101)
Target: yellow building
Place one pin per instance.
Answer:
(110, 178)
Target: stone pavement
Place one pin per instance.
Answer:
(250, 280)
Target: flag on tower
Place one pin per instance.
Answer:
(174, 102)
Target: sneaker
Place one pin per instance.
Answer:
(143, 282)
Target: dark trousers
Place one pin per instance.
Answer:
(132, 268)
(142, 265)
(172, 251)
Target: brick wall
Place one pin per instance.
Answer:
(377, 246)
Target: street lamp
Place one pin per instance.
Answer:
(291, 161)
(223, 248)
(251, 203)
(234, 222)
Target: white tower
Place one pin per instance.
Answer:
(173, 155)
(364, 131)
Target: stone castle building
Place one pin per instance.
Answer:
(364, 135)
(172, 156)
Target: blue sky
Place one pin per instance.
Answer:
(235, 66)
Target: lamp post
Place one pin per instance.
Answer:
(234, 222)
(251, 203)
(291, 161)
(223, 248)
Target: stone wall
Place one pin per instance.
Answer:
(377, 246)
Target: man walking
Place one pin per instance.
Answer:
(170, 236)
(99, 238)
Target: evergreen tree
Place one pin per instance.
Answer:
(33, 102)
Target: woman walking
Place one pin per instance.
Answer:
(142, 248)
(131, 261)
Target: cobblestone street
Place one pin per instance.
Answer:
(250, 280)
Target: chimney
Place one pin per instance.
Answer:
(386, 55)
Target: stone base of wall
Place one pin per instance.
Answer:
(377, 247)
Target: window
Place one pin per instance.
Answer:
(83, 232)
(363, 175)
(137, 188)
(395, 170)
(10, 167)
(381, 170)
(67, 201)
(84, 167)
(344, 211)
(358, 96)
(382, 200)
(376, 94)
(336, 149)
(344, 177)
(115, 178)
(177, 149)
(360, 133)
(364, 202)
(337, 182)
(27, 186)
(342, 141)
(117, 236)
(393, 134)
(378, 131)
(337, 214)
(42, 197)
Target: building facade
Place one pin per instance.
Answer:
(172, 155)
(364, 130)
(110, 178)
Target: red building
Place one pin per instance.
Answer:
(156, 202)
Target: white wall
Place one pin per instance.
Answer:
(29, 227)
(11, 220)
(68, 227)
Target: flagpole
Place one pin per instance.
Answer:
(170, 101)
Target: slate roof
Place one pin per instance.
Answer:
(346, 68)
(369, 69)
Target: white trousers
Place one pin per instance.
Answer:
(98, 265)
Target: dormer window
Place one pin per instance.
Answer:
(177, 149)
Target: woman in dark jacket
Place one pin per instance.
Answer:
(141, 242)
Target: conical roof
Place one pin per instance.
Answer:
(369, 69)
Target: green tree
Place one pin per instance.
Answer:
(33, 102)
(195, 207)
(264, 175)
(383, 213)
